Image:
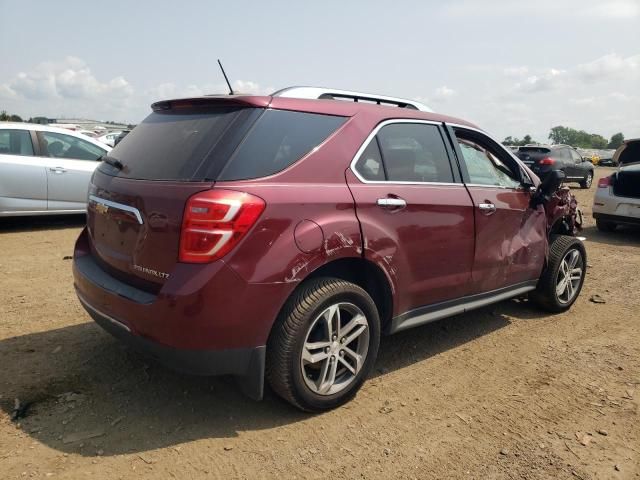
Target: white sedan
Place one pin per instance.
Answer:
(45, 170)
(109, 138)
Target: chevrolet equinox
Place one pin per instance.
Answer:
(278, 237)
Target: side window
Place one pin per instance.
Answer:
(576, 156)
(414, 152)
(59, 145)
(564, 154)
(369, 165)
(16, 142)
(484, 166)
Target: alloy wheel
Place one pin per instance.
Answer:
(569, 276)
(335, 349)
(589, 180)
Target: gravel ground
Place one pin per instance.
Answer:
(502, 392)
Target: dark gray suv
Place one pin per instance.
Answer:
(542, 159)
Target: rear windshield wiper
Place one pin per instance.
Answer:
(115, 163)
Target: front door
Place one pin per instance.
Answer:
(416, 217)
(510, 236)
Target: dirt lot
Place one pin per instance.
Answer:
(503, 392)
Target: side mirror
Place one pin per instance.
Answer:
(548, 187)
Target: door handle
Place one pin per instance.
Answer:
(487, 208)
(391, 203)
(57, 170)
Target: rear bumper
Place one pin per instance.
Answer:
(245, 363)
(609, 207)
(205, 319)
(617, 219)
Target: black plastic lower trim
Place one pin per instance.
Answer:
(616, 219)
(246, 363)
(430, 313)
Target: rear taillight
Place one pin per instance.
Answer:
(604, 182)
(214, 222)
(547, 161)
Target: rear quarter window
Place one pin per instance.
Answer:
(278, 139)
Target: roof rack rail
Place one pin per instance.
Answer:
(336, 94)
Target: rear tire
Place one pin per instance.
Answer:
(562, 279)
(588, 180)
(323, 345)
(605, 226)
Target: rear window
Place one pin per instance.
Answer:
(219, 144)
(533, 150)
(174, 145)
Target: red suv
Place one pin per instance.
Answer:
(276, 237)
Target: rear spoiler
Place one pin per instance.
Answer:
(212, 101)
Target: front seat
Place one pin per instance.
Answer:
(55, 149)
(402, 166)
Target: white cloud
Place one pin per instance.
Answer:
(444, 93)
(171, 90)
(515, 71)
(548, 80)
(609, 66)
(70, 78)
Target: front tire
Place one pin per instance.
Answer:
(323, 345)
(562, 279)
(588, 180)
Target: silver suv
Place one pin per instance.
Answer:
(617, 199)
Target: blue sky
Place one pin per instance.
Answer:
(513, 67)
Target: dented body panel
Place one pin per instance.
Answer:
(511, 242)
(563, 215)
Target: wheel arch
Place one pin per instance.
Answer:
(362, 272)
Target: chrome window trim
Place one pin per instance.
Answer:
(363, 147)
(501, 187)
(118, 206)
(505, 149)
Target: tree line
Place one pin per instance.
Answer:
(573, 137)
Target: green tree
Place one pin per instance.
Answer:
(15, 118)
(527, 139)
(4, 116)
(559, 134)
(596, 141)
(576, 138)
(616, 140)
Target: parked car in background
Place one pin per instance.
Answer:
(543, 159)
(119, 138)
(45, 170)
(109, 138)
(88, 133)
(617, 198)
(277, 238)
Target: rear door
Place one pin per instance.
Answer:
(70, 162)
(576, 165)
(510, 236)
(415, 214)
(23, 180)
